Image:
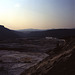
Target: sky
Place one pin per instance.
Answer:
(37, 14)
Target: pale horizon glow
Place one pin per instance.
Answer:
(37, 14)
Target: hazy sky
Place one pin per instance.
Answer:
(39, 14)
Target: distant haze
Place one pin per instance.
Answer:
(37, 14)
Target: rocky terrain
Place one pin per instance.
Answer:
(57, 63)
(43, 56)
(30, 45)
(17, 62)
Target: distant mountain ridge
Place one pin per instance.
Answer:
(7, 33)
(29, 30)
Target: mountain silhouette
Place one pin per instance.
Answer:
(7, 33)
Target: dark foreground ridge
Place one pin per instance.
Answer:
(60, 63)
(66, 64)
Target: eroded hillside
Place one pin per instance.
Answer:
(60, 63)
(37, 56)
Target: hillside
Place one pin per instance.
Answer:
(7, 34)
(37, 56)
(60, 63)
(43, 56)
(59, 33)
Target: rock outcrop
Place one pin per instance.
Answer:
(60, 63)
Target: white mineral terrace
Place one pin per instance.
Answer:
(16, 62)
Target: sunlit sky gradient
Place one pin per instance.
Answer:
(39, 14)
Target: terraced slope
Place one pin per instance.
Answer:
(60, 63)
